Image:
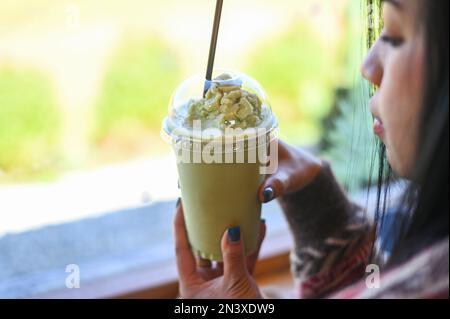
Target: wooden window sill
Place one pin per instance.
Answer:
(161, 281)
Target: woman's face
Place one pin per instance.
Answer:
(395, 65)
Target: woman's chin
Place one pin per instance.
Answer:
(399, 167)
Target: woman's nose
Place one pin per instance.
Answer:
(371, 68)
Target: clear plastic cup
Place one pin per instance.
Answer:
(219, 170)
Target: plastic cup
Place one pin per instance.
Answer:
(219, 173)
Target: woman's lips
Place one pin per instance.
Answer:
(378, 127)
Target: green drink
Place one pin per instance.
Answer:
(220, 162)
(218, 196)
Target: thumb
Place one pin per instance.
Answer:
(234, 264)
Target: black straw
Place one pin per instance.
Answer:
(212, 48)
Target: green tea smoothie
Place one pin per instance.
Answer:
(219, 183)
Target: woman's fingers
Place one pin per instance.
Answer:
(274, 186)
(204, 263)
(219, 266)
(186, 264)
(207, 270)
(252, 259)
(296, 169)
(234, 267)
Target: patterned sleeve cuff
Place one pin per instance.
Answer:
(334, 270)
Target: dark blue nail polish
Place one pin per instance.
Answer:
(178, 203)
(268, 194)
(263, 220)
(234, 234)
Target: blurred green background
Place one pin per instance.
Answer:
(139, 80)
(87, 83)
(29, 121)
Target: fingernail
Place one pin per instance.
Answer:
(234, 234)
(178, 202)
(263, 220)
(268, 194)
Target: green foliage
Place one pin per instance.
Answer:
(349, 142)
(137, 87)
(299, 72)
(29, 121)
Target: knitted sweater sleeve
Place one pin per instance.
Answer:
(333, 239)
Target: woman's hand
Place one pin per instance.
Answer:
(296, 169)
(230, 279)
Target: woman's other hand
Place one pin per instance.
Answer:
(296, 169)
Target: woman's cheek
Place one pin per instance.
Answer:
(400, 104)
(394, 111)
